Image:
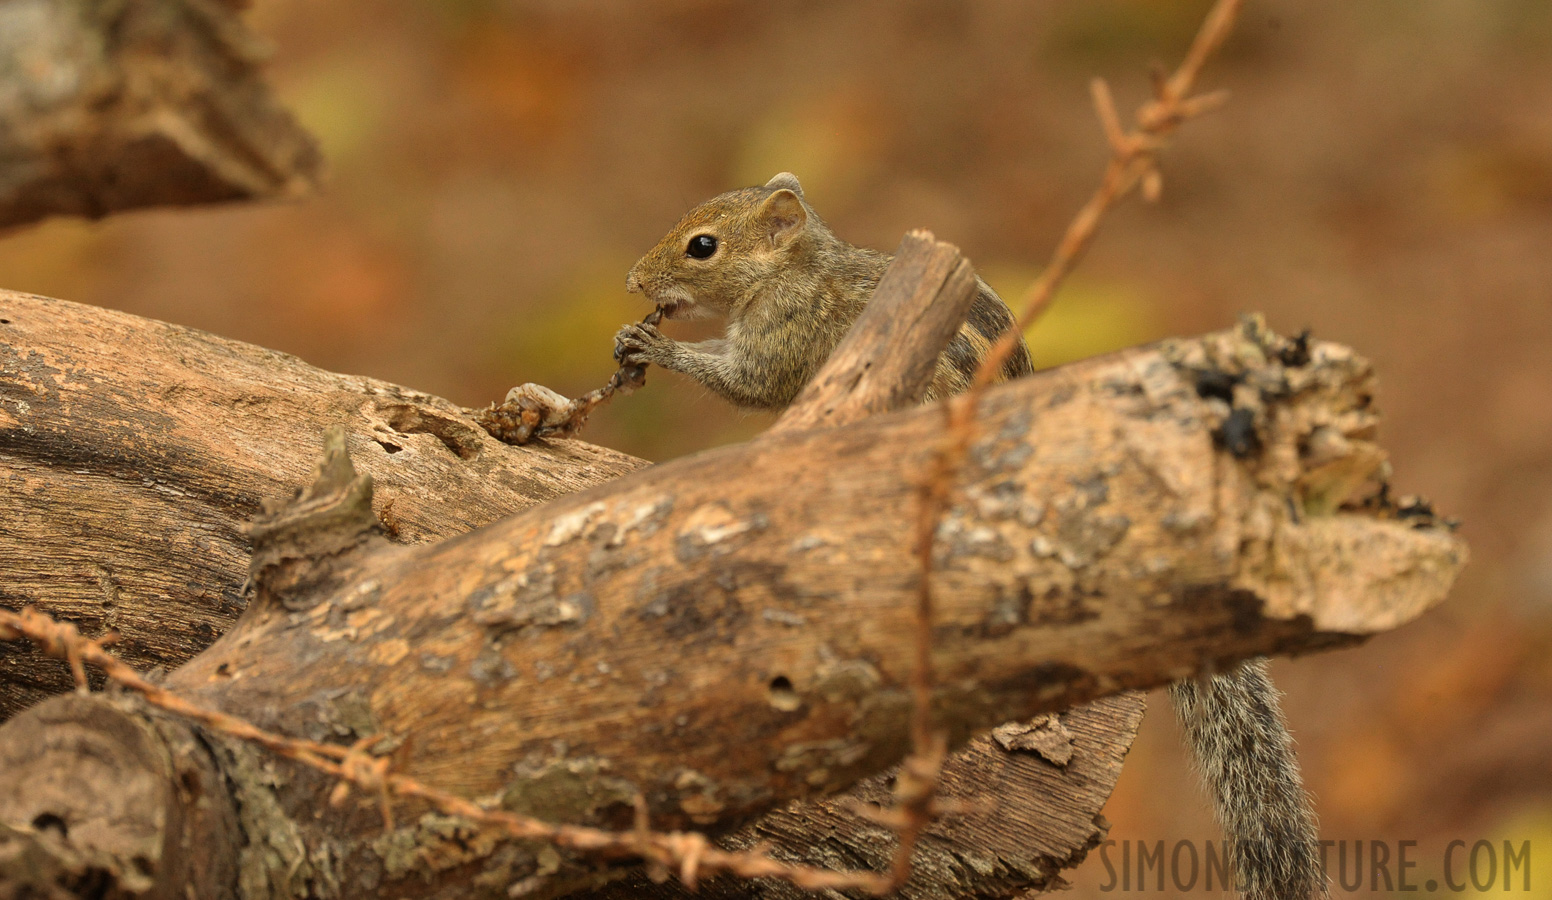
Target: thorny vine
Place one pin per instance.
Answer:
(1133, 164)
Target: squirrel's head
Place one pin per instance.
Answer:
(723, 250)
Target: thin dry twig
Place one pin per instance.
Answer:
(533, 411)
(691, 854)
(1133, 162)
(1134, 159)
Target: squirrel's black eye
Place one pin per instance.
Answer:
(701, 246)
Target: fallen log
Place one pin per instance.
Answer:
(710, 635)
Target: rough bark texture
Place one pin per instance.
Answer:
(117, 104)
(133, 453)
(1037, 818)
(706, 634)
(108, 419)
(719, 640)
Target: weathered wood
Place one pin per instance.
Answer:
(1037, 820)
(133, 453)
(111, 106)
(731, 630)
(887, 358)
(98, 473)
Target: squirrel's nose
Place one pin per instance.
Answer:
(632, 283)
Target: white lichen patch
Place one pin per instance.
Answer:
(714, 523)
(1005, 500)
(783, 617)
(643, 517)
(363, 594)
(526, 599)
(809, 542)
(569, 525)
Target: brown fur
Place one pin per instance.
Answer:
(789, 289)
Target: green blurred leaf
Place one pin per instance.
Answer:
(1089, 317)
(344, 104)
(566, 338)
(831, 143)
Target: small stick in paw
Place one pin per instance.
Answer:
(532, 411)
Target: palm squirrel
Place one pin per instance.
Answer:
(789, 288)
(761, 258)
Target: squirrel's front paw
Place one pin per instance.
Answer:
(641, 343)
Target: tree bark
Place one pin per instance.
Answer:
(133, 453)
(730, 630)
(234, 423)
(706, 635)
(111, 106)
(1036, 817)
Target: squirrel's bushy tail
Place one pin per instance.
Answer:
(1234, 728)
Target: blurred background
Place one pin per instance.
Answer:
(1382, 175)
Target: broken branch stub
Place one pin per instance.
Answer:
(293, 543)
(114, 106)
(705, 635)
(887, 358)
(97, 792)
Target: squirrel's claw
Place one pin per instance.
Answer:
(633, 342)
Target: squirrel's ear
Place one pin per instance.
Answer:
(783, 216)
(786, 180)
